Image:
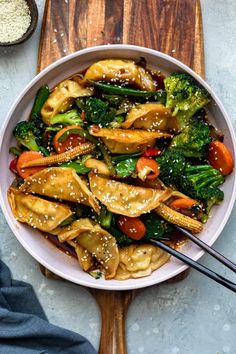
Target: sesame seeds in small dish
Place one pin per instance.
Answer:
(113, 151)
(18, 20)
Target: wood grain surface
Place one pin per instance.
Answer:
(170, 26)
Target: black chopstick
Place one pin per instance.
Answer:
(222, 259)
(201, 268)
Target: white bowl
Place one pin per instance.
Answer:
(42, 250)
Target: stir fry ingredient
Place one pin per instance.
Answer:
(109, 159)
(132, 227)
(147, 168)
(184, 97)
(26, 157)
(220, 158)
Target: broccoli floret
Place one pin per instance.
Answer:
(97, 111)
(193, 140)
(210, 196)
(24, 133)
(197, 178)
(184, 97)
(156, 227)
(172, 164)
(71, 117)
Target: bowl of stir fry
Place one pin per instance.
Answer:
(108, 148)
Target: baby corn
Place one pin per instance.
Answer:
(179, 219)
(69, 155)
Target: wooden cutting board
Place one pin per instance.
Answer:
(170, 26)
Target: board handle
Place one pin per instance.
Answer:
(113, 306)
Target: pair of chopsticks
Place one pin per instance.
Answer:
(201, 268)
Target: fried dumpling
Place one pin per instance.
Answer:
(37, 212)
(122, 141)
(85, 258)
(148, 116)
(62, 98)
(97, 241)
(125, 199)
(117, 70)
(60, 183)
(138, 261)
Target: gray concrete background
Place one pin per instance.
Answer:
(195, 316)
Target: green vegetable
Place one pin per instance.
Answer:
(68, 221)
(104, 217)
(197, 178)
(71, 117)
(184, 97)
(126, 167)
(44, 151)
(83, 211)
(14, 150)
(172, 164)
(122, 104)
(27, 135)
(156, 227)
(121, 239)
(193, 140)
(106, 157)
(199, 182)
(124, 91)
(210, 196)
(39, 101)
(97, 111)
(77, 166)
(85, 134)
(64, 136)
(55, 128)
(119, 158)
(116, 123)
(79, 210)
(95, 274)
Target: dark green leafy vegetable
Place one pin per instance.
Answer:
(184, 97)
(39, 101)
(126, 167)
(193, 140)
(71, 117)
